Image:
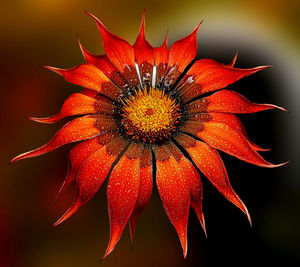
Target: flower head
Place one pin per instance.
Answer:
(143, 112)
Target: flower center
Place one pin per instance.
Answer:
(150, 115)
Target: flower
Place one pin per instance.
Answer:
(144, 115)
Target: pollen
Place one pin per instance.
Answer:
(150, 115)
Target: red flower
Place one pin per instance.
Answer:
(140, 117)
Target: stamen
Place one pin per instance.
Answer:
(150, 115)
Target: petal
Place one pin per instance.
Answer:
(144, 55)
(182, 53)
(194, 124)
(92, 174)
(103, 63)
(208, 75)
(89, 76)
(80, 153)
(161, 56)
(231, 64)
(145, 189)
(208, 161)
(174, 192)
(76, 130)
(194, 181)
(227, 139)
(227, 101)
(122, 193)
(79, 104)
(119, 52)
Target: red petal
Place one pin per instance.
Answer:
(77, 130)
(228, 139)
(89, 76)
(161, 56)
(145, 189)
(78, 104)
(174, 192)
(103, 63)
(122, 193)
(119, 52)
(194, 181)
(233, 60)
(207, 159)
(229, 119)
(208, 75)
(144, 55)
(182, 53)
(80, 153)
(92, 174)
(227, 101)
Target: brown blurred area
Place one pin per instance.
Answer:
(43, 32)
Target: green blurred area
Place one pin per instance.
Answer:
(43, 32)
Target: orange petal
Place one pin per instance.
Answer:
(80, 153)
(103, 63)
(227, 139)
(231, 64)
(161, 56)
(174, 192)
(182, 53)
(208, 75)
(193, 125)
(194, 181)
(89, 76)
(119, 52)
(208, 161)
(227, 101)
(76, 130)
(145, 189)
(92, 174)
(78, 104)
(122, 193)
(144, 55)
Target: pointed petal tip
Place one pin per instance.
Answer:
(56, 70)
(61, 190)
(270, 165)
(67, 214)
(80, 45)
(166, 37)
(280, 108)
(141, 34)
(85, 53)
(165, 43)
(109, 250)
(99, 23)
(196, 28)
(51, 119)
(271, 106)
(248, 215)
(263, 149)
(185, 252)
(132, 231)
(184, 244)
(13, 160)
(203, 226)
(232, 63)
(258, 68)
(205, 233)
(19, 157)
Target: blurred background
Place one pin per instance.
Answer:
(43, 32)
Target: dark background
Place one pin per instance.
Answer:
(36, 33)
